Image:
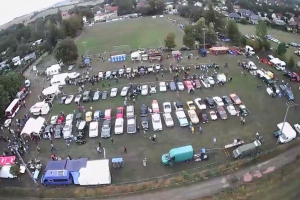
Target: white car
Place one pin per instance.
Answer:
(78, 98)
(152, 89)
(100, 75)
(69, 99)
(213, 115)
(180, 86)
(124, 91)
(114, 92)
(145, 90)
(71, 67)
(156, 122)
(162, 87)
(218, 101)
(200, 104)
(211, 80)
(205, 82)
(69, 118)
(93, 129)
(193, 116)
(157, 66)
(121, 71)
(167, 107)
(107, 75)
(128, 70)
(297, 128)
(53, 119)
(231, 110)
(182, 118)
(150, 68)
(67, 130)
(168, 120)
(119, 126)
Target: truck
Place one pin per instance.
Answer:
(178, 155)
(246, 150)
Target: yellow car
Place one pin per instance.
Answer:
(191, 105)
(88, 116)
(193, 116)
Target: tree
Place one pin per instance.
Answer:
(281, 49)
(66, 51)
(229, 6)
(15, 170)
(189, 41)
(232, 32)
(4, 100)
(216, 19)
(261, 30)
(291, 62)
(170, 40)
(11, 82)
(72, 25)
(243, 21)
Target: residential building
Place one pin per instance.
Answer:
(245, 13)
(234, 16)
(253, 19)
(110, 9)
(65, 15)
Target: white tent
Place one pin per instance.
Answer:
(136, 56)
(51, 90)
(33, 126)
(59, 79)
(53, 70)
(96, 172)
(5, 172)
(40, 108)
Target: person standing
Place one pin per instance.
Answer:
(243, 121)
(112, 141)
(38, 149)
(124, 149)
(215, 141)
(177, 94)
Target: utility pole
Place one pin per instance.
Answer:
(84, 43)
(289, 104)
(204, 29)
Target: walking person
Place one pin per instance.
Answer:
(53, 149)
(242, 119)
(112, 141)
(124, 149)
(99, 150)
(200, 129)
(38, 149)
(215, 141)
(192, 129)
(177, 94)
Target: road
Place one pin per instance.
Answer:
(218, 184)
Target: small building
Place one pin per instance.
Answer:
(100, 17)
(65, 14)
(234, 16)
(16, 60)
(110, 9)
(245, 13)
(53, 70)
(253, 19)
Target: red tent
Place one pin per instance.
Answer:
(7, 160)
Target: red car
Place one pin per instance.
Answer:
(188, 84)
(107, 114)
(197, 83)
(155, 107)
(60, 119)
(120, 112)
(235, 98)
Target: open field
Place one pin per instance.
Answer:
(137, 33)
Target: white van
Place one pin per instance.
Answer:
(287, 133)
(119, 126)
(93, 132)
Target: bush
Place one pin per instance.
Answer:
(243, 21)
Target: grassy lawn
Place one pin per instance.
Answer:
(137, 33)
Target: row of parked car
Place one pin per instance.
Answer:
(221, 104)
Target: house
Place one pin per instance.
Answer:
(100, 17)
(199, 4)
(65, 14)
(225, 13)
(31, 56)
(110, 9)
(276, 16)
(245, 13)
(234, 16)
(253, 19)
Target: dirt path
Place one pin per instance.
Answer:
(216, 185)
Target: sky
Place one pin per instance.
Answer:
(10, 9)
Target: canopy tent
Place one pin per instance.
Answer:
(7, 160)
(70, 165)
(219, 49)
(51, 90)
(33, 126)
(135, 56)
(96, 172)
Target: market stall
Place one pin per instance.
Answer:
(51, 90)
(33, 127)
(219, 50)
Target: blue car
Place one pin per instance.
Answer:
(287, 92)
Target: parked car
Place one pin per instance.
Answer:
(119, 126)
(106, 128)
(107, 114)
(191, 105)
(69, 99)
(211, 80)
(53, 119)
(108, 75)
(172, 86)
(162, 87)
(167, 107)
(121, 71)
(69, 118)
(58, 131)
(292, 76)
(193, 116)
(197, 83)
(182, 118)
(227, 100)
(114, 92)
(104, 95)
(78, 98)
(213, 115)
(120, 112)
(168, 119)
(236, 99)
(152, 89)
(156, 122)
(222, 113)
(231, 110)
(93, 129)
(180, 86)
(131, 125)
(144, 110)
(243, 110)
(205, 82)
(145, 123)
(188, 84)
(209, 102)
(86, 96)
(200, 104)
(287, 92)
(67, 130)
(124, 91)
(155, 106)
(96, 96)
(145, 90)
(218, 101)
(71, 67)
(88, 116)
(204, 117)
(178, 105)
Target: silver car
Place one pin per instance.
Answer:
(106, 128)
(131, 125)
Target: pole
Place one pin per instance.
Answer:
(26, 168)
(84, 43)
(204, 38)
(289, 104)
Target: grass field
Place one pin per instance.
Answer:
(137, 33)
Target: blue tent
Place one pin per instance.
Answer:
(118, 58)
(203, 52)
(87, 61)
